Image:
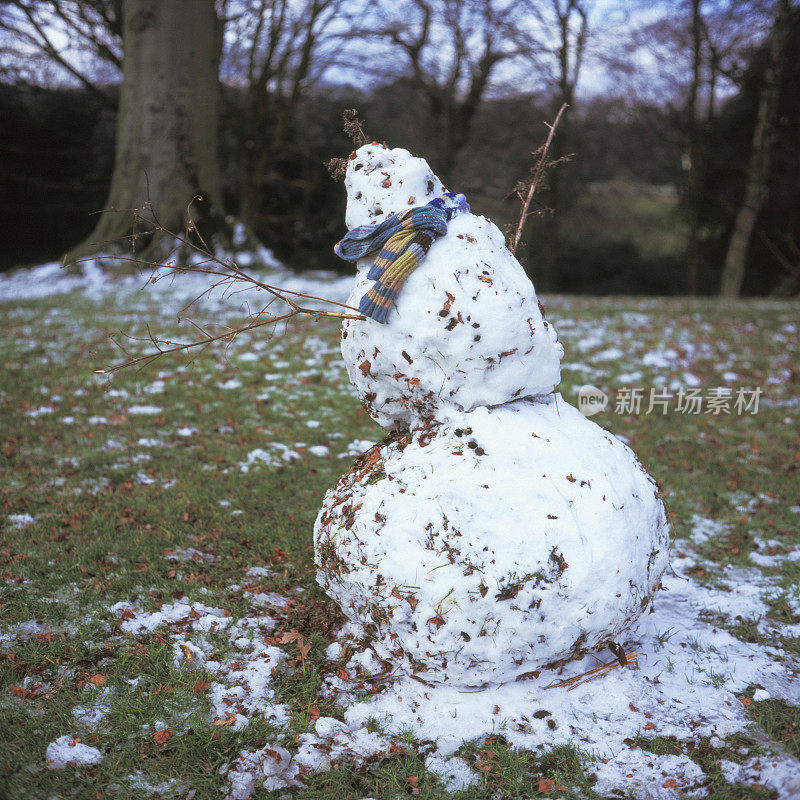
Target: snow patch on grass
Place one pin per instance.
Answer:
(68, 751)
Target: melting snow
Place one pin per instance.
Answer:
(20, 520)
(136, 409)
(67, 751)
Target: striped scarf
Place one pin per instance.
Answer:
(401, 242)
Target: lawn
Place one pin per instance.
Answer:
(159, 604)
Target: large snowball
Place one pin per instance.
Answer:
(467, 330)
(484, 546)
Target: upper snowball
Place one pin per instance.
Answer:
(467, 329)
(380, 181)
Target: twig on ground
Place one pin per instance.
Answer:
(577, 680)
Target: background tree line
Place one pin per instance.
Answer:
(681, 135)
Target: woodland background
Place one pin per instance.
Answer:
(682, 130)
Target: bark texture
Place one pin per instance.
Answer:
(758, 168)
(694, 153)
(166, 148)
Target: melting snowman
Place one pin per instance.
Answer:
(495, 530)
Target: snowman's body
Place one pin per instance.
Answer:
(497, 530)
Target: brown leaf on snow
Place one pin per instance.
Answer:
(228, 720)
(187, 653)
(343, 675)
(160, 737)
(412, 601)
(438, 621)
(671, 783)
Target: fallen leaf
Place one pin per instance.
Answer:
(160, 737)
(201, 686)
(97, 680)
(412, 780)
(273, 754)
(546, 785)
(226, 722)
(671, 783)
(745, 701)
(313, 713)
(187, 653)
(303, 646)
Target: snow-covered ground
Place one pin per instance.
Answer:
(688, 683)
(693, 679)
(94, 283)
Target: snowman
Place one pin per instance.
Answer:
(495, 531)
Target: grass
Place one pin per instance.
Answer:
(706, 756)
(113, 495)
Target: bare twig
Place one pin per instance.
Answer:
(226, 275)
(577, 680)
(526, 189)
(354, 128)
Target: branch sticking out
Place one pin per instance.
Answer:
(354, 129)
(525, 190)
(225, 275)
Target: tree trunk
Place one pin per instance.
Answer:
(758, 169)
(166, 147)
(694, 156)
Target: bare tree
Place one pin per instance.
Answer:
(451, 51)
(700, 48)
(166, 124)
(758, 167)
(53, 41)
(279, 49)
(568, 20)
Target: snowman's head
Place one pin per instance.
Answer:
(382, 181)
